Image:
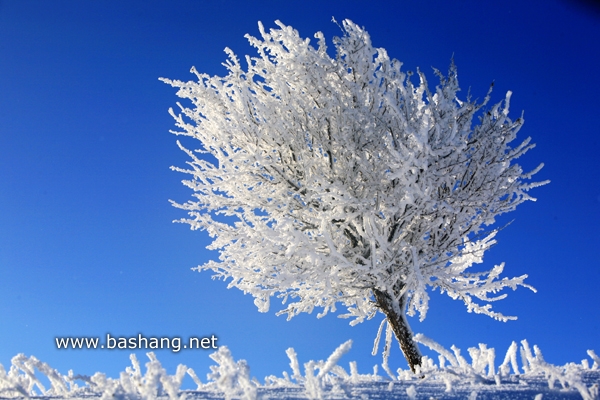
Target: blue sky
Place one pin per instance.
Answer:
(87, 246)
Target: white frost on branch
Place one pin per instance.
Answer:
(321, 380)
(21, 381)
(340, 176)
(231, 377)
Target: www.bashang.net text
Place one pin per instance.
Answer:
(175, 344)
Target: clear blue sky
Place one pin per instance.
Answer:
(87, 246)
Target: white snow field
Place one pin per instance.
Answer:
(523, 374)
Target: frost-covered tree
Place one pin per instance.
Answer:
(344, 182)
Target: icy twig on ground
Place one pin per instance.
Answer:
(453, 377)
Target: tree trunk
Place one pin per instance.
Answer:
(394, 311)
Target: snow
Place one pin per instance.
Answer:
(231, 379)
(344, 177)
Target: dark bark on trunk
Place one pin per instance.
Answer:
(394, 311)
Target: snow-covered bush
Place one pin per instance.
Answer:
(230, 377)
(21, 381)
(453, 377)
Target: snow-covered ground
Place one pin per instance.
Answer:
(523, 374)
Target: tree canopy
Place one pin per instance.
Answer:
(348, 183)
